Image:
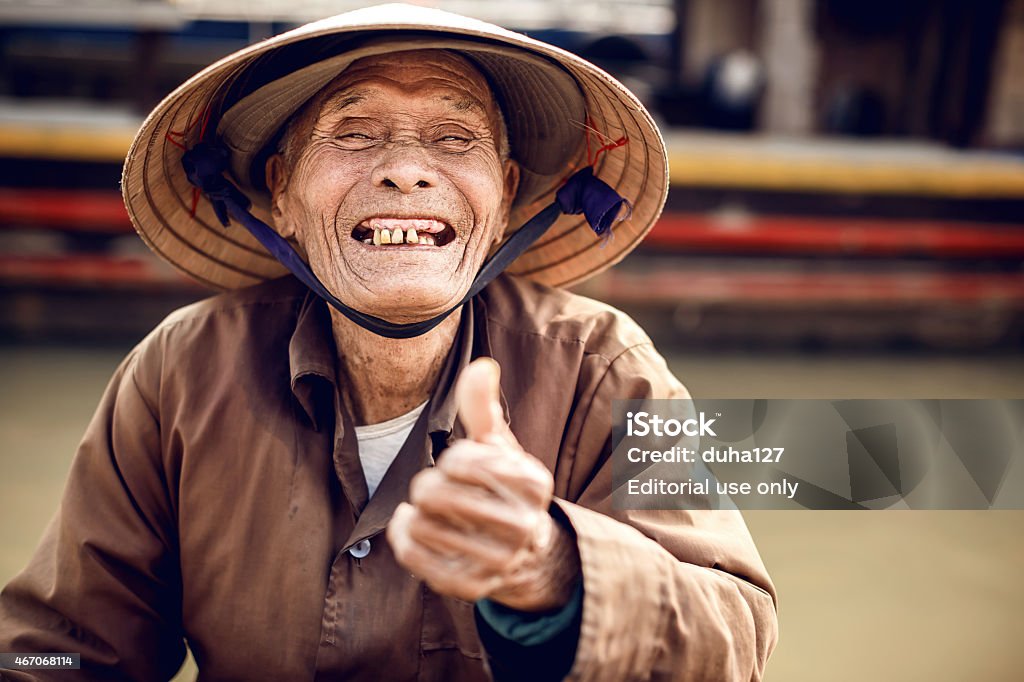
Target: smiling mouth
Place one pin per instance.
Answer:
(403, 232)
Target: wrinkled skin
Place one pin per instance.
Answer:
(417, 135)
(406, 135)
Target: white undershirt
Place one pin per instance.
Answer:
(379, 445)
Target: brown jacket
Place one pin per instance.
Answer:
(218, 489)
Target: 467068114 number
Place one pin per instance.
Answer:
(43, 661)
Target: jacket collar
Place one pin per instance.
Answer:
(313, 358)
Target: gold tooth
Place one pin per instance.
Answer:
(396, 236)
(376, 237)
(411, 237)
(385, 236)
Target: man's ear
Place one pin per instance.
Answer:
(508, 195)
(511, 186)
(277, 175)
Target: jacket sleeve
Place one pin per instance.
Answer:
(104, 581)
(668, 595)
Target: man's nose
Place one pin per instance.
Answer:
(405, 168)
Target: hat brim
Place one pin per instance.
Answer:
(549, 97)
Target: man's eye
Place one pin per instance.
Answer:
(353, 136)
(454, 141)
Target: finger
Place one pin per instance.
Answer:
(446, 574)
(471, 509)
(479, 553)
(516, 477)
(477, 396)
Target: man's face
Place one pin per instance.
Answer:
(397, 145)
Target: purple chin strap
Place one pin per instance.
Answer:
(583, 193)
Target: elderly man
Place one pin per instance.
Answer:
(394, 464)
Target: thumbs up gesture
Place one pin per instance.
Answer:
(477, 525)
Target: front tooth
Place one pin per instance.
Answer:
(411, 237)
(385, 236)
(396, 236)
(376, 237)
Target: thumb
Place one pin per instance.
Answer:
(476, 393)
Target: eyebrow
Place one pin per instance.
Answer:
(464, 103)
(346, 100)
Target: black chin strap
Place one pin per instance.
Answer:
(584, 193)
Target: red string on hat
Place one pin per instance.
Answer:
(171, 136)
(607, 145)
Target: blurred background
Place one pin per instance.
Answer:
(846, 219)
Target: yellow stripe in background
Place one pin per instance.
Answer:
(947, 174)
(961, 178)
(104, 144)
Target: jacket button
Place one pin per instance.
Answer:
(360, 549)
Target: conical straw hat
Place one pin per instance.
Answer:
(559, 108)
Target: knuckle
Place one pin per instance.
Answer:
(424, 486)
(541, 484)
(420, 530)
(522, 526)
(538, 473)
(457, 455)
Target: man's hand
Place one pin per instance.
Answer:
(477, 525)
